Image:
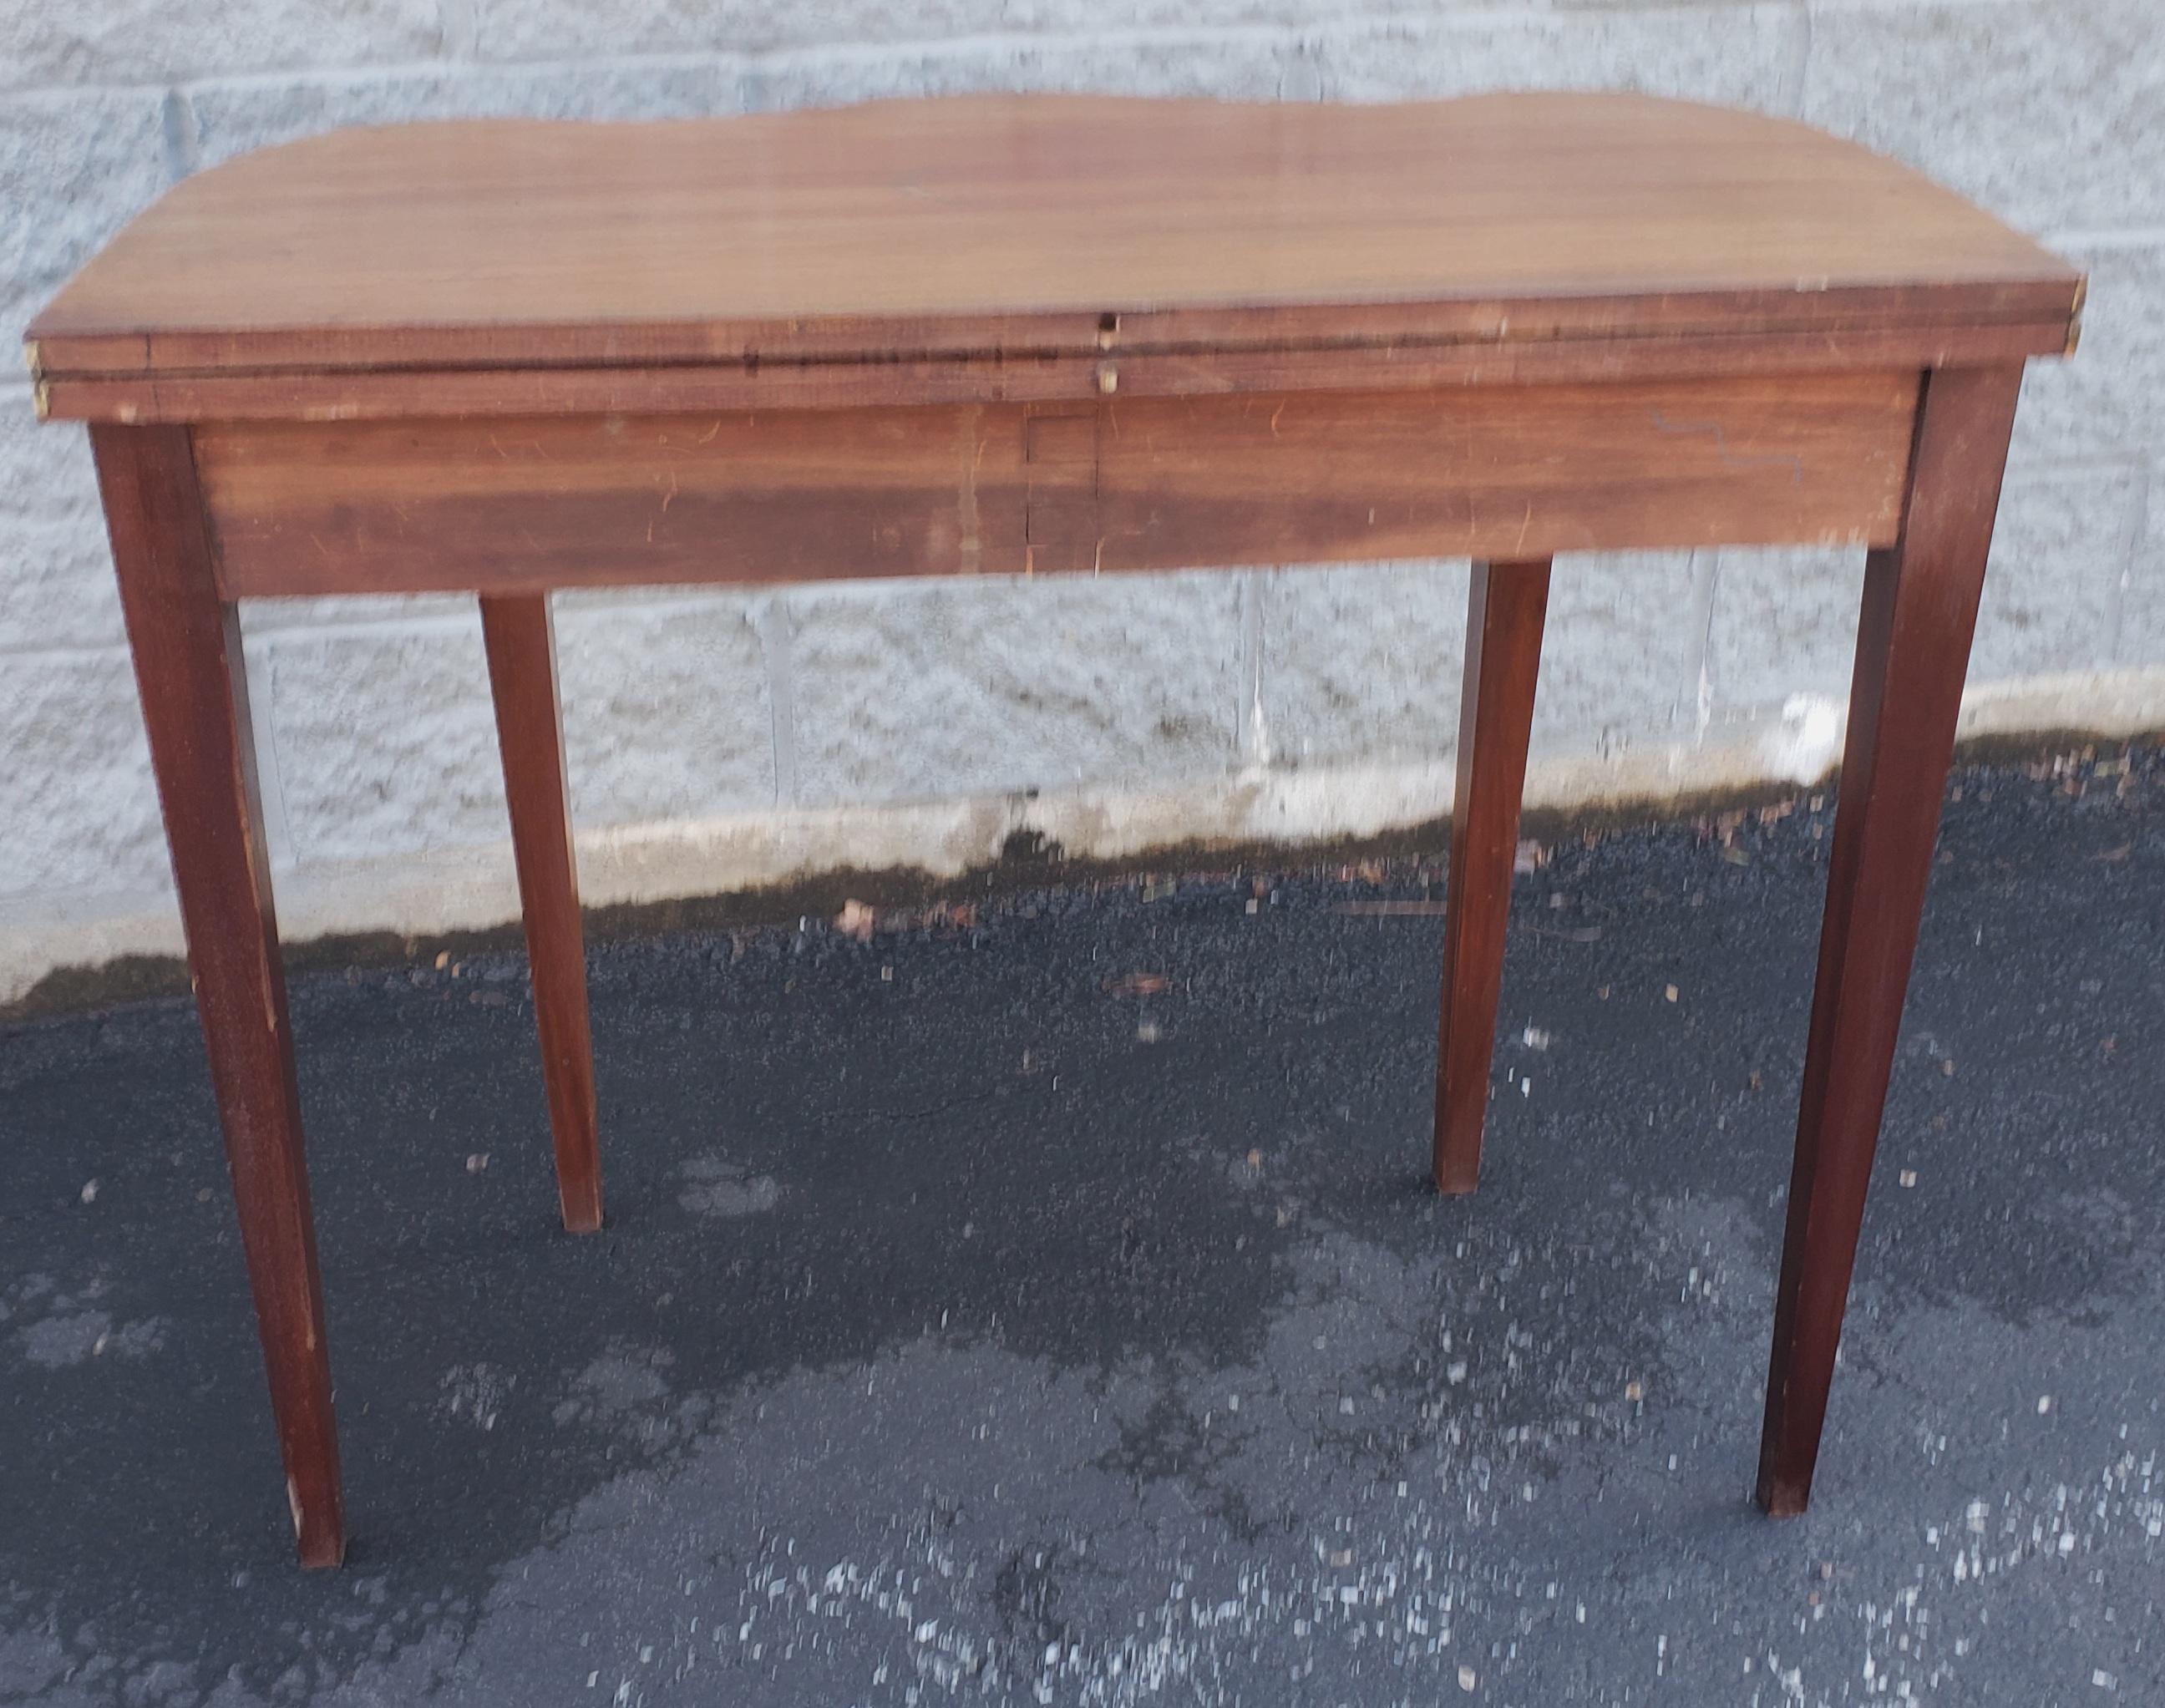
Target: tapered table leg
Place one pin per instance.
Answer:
(189, 669)
(1920, 600)
(1504, 619)
(522, 672)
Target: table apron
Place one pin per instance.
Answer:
(497, 504)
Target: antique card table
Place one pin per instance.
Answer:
(1022, 335)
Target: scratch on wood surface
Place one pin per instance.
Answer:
(1795, 464)
(974, 450)
(269, 989)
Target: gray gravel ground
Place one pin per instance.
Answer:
(975, 1324)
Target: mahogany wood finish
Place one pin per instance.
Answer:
(1034, 224)
(1504, 613)
(1920, 600)
(365, 395)
(1046, 335)
(194, 682)
(1154, 483)
(520, 639)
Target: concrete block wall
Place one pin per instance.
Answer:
(721, 739)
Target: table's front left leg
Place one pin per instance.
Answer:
(189, 669)
(1921, 601)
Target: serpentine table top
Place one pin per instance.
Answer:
(1003, 246)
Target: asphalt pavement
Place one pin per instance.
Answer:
(1042, 1302)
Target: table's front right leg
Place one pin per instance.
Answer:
(1919, 608)
(189, 669)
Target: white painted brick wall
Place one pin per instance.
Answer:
(724, 738)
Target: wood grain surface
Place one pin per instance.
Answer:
(1032, 224)
(1149, 484)
(417, 393)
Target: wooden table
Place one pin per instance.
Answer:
(991, 336)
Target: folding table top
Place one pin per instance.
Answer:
(1011, 226)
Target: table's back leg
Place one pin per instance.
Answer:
(189, 669)
(1503, 620)
(1919, 608)
(522, 673)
